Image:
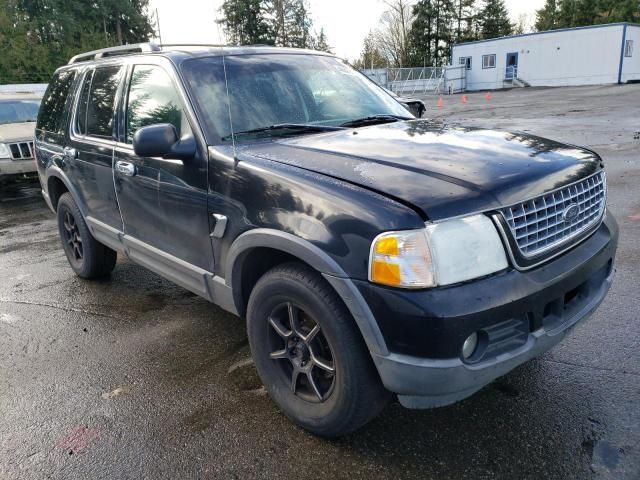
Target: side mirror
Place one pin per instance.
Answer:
(161, 140)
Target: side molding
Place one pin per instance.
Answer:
(191, 277)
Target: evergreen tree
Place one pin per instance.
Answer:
(465, 16)
(435, 29)
(579, 13)
(37, 36)
(244, 22)
(547, 16)
(494, 20)
(289, 22)
(319, 42)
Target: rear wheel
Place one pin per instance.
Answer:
(87, 257)
(309, 354)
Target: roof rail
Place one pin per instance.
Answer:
(115, 51)
(204, 45)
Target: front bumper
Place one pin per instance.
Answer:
(15, 167)
(519, 315)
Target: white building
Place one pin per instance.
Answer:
(599, 54)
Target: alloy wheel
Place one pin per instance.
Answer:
(72, 236)
(302, 352)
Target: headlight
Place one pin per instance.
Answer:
(4, 151)
(443, 253)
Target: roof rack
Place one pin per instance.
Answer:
(142, 48)
(115, 51)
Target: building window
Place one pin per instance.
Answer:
(628, 48)
(489, 61)
(466, 61)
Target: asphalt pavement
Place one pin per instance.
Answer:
(134, 377)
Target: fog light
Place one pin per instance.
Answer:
(469, 345)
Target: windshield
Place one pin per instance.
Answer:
(18, 111)
(275, 89)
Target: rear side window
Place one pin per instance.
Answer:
(153, 99)
(101, 102)
(83, 102)
(51, 116)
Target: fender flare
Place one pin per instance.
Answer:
(56, 172)
(317, 259)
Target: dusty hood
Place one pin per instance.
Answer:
(442, 171)
(17, 132)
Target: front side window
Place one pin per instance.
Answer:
(275, 89)
(153, 99)
(488, 61)
(51, 115)
(101, 102)
(18, 111)
(628, 48)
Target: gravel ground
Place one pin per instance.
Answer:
(133, 377)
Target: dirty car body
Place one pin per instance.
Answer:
(458, 253)
(18, 112)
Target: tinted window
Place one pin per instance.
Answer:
(101, 102)
(153, 99)
(51, 116)
(83, 101)
(17, 111)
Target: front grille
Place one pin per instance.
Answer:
(21, 151)
(550, 220)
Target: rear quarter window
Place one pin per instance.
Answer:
(51, 116)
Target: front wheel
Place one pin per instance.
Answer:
(309, 353)
(87, 257)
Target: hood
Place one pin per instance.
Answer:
(440, 170)
(17, 132)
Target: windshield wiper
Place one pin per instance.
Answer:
(373, 119)
(293, 127)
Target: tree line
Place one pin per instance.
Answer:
(421, 33)
(580, 13)
(415, 33)
(37, 36)
(283, 23)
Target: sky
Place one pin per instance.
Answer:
(345, 22)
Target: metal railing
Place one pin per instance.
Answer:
(420, 80)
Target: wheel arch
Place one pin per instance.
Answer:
(57, 185)
(255, 252)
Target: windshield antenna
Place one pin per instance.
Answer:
(226, 83)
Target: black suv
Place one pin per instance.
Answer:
(371, 253)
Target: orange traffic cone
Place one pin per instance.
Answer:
(440, 102)
(487, 96)
(463, 99)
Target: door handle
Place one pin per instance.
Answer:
(125, 168)
(71, 153)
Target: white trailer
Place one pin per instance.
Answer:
(599, 54)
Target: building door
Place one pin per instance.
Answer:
(512, 66)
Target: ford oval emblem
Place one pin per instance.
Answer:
(571, 213)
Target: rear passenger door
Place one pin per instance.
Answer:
(52, 121)
(91, 143)
(163, 202)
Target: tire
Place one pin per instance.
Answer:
(324, 403)
(88, 257)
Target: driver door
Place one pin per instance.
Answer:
(163, 202)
